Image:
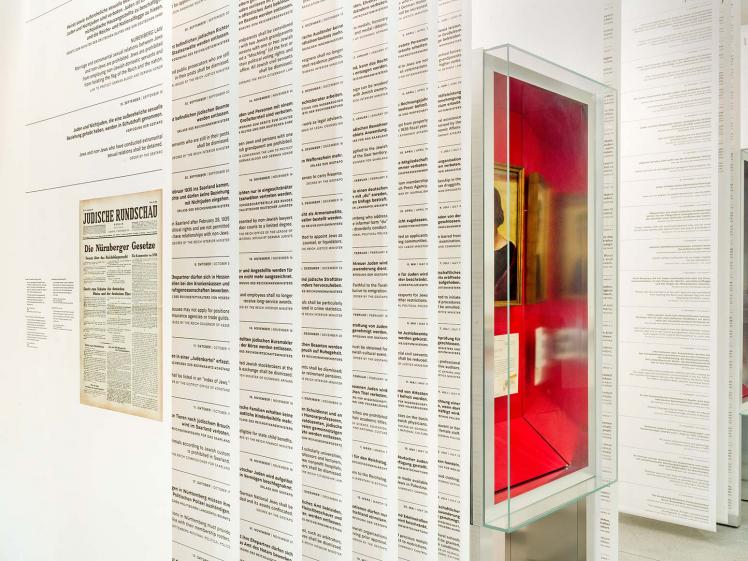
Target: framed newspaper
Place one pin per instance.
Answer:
(121, 303)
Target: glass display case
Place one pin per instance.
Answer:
(544, 287)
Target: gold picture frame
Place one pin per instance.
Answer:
(512, 230)
(573, 262)
(537, 262)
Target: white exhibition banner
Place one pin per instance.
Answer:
(204, 286)
(677, 209)
(269, 287)
(668, 231)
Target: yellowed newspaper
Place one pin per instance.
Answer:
(121, 303)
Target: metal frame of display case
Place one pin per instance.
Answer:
(740, 251)
(743, 301)
(554, 495)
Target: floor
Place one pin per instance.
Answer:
(647, 540)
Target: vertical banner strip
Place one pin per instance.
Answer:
(325, 114)
(373, 410)
(432, 277)
(267, 266)
(465, 280)
(205, 383)
(453, 410)
(296, 288)
(345, 232)
(416, 377)
(393, 272)
(669, 366)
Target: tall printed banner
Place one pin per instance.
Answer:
(678, 378)
(415, 370)
(453, 241)
(325, 338)
(205, 354)
(374, 263)
(268, 266)
(668, 303)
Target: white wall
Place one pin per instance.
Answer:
(12, 390)
(66, 494)
(568, 32)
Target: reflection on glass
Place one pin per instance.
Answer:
(508, 229)
(541, 273)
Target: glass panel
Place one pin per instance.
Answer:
(744, 177)
(543, 213)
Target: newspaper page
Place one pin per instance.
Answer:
(120, 300)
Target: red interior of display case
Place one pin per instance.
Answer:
(547, 436)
